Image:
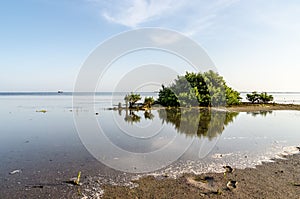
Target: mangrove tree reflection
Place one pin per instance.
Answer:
(204, 122)
(262, 113)
(148, 115)
(131, 117)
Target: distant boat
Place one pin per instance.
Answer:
(60, 91)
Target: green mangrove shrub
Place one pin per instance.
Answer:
(255, 97)
(148, 102)
(132, 98)
(198, 89)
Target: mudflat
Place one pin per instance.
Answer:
(279, 179)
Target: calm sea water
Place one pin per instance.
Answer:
(36, 141)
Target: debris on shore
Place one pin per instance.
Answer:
(41, 111)
(15, 171)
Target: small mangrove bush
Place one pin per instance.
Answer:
(255, 97)
(132, 98)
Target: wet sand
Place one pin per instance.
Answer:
(243, 107)
(248, 107)
(279, 179)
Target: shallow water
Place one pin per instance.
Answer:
(195, 141)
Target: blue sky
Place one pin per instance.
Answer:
(255, 44)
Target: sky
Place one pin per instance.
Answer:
(254, 44)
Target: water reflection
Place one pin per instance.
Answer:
(131, 117)
(191, 122)
(209, 123)
(148, 115)
(262, 113)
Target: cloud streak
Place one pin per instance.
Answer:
(189, 17)
(136, 12)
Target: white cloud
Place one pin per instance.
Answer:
(189, 17)
(135, 12)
